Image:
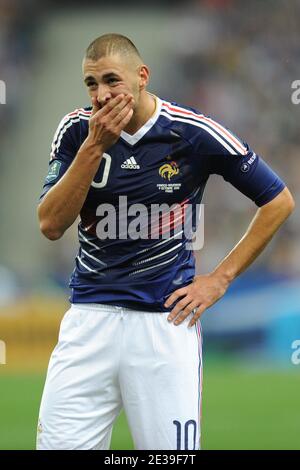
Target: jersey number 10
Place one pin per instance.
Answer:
(190, 426)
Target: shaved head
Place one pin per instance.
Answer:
(112, 66)
(113, 44)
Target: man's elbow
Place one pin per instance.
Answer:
(281, 206)
(284, 205)
(288, 202)
(49, 231)
(47, 225)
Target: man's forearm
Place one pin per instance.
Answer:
(207, 289)
(62, 204)
(261, 230)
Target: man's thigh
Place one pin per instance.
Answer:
(161, 382)
(81, 397)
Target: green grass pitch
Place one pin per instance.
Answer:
(242, 409)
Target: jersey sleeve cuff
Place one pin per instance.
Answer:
(270, 193)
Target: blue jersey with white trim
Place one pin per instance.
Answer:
(136, 222)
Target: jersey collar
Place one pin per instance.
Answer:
(134, 138)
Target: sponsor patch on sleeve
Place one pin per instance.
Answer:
(53, 171)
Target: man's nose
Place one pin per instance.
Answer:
(104, 95)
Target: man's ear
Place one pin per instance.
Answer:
(144, 73)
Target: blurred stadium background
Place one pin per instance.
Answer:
(233, 60)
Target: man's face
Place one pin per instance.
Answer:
(109, 76)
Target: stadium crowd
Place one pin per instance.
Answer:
(238, 66)
(17, 52)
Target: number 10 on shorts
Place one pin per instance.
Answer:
(186, 434)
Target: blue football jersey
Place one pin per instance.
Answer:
(166, 163)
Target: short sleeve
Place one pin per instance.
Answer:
(63, 151)
(225, 154)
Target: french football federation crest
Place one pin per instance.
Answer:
(168, 170)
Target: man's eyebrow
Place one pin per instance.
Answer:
(110, 74)
(106, 76)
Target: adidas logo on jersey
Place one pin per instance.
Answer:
(130, 164)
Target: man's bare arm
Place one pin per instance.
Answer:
(207, 289)
(264, 225)
(62, 204)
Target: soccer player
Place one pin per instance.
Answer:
(132, 336)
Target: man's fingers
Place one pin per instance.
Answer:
(181, 305)
(108, 122)
(185, 312)
(96, 106)
(125, 120)
(115, 105)
(112, 108)
(104, 110)
(112, 103)
(118, 120)
(118, 108)
(178, 293)
(197, 315)
(184, 309)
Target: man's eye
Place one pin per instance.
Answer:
(112, 80)
(91, 84)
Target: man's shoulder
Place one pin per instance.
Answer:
(71, 130)
(175, 108)
(202, 129)
(184, 119)
(77, 115)
(74, 120)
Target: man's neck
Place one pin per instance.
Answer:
(146, 109)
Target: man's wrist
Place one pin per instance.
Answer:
(90, 150)
(224, 275)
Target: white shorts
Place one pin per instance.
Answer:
(108, 358)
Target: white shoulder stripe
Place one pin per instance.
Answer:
(207, 129)
(173, 108)
(62, 128)
(67, 117)
(225, 133)
(236, 143)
